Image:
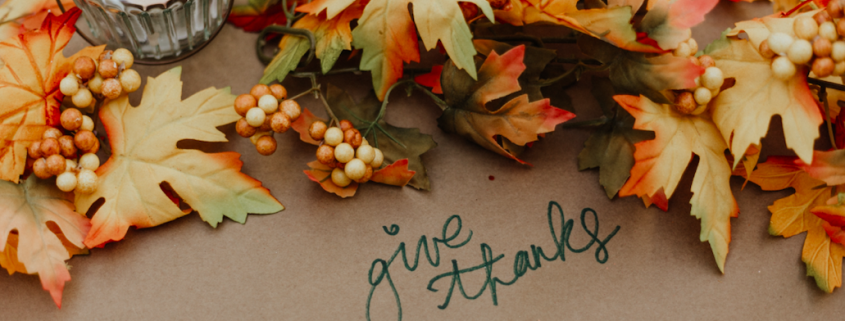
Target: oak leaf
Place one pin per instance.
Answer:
(661, 162)
(792, 215)
(145, 156)
(518, 120)
(743, 112)
(29, 209)
(611, 146)
(29, 87)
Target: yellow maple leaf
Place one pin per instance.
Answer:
(661, 162)
(144, 156)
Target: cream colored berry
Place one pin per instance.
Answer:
(268, 104)
(82, 98)
(291, 108)
(333, 136)
(255, 117)
(378, 158)
(87, 123)
(123, 57)
(682, 51)
(698, 110)
(702, 96)
(837, 51)
(779, 42)
(827, 30)
(344, 152)
(366, 153)
(69, 85)
(839, 68)
(712, 78)
(89, 161)
(339, 178)
(254, 139)
(355, 169)
(693, 45)
(96, 84)
(805, 28)
(783, 68)
(800, 52)
(71, 165)
(66, 181)
(364, 141)
(130, 80)
(86, 182)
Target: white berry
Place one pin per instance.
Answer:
(82, 98)
(783, 68)
(779, 42)
(87, 123)
(712, 78)
(837, 52)
(89, 161)
(702, 96)
(366, 153)
(87, 182)
(255, 117)
(355, 169)
(69, 85)
(839, 68)
(800, 52)
(339, 178)
(828, 31)
(378, 159)
(333, 136)
(805, 28)
(70, 165)
(682, 51)
(268, 104)
(693, 45)
(344, 152)
(66, 181)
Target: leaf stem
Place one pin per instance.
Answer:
(586, 123)
(823, 100)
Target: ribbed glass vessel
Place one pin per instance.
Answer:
(154, 30)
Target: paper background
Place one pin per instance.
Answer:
(311, 261)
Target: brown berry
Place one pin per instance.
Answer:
(244, 129)
(706, 61)
(51, 133)
(685, 102)
(291, 108)
(266, 145)
(840, 27)
(834, 9)
(94, 149)
(266, 127)
(67, 147)
(822, 47)
(823, 67)
(112, 88)
(56, 164)
(84, 68)
(108, 69)
(84, 140)
(278, 91)
(39, 168)
(259, 90)
(367, 175)
(34, 150)
(765, 51)
(106, 54)
(50, 146)
(244, 103)
(317, 130)
(822, 17)
(71, 119)
(346, 125)
(352, 137)
(279, 122)
(325, 154)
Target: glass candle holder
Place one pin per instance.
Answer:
(156, 31)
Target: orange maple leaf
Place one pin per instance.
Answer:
(17, 16)
(29, 85)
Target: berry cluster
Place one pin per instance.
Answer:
(694, 101)
(265, 110)
(109, 76)
(57, 154)
(818, 45)
(343, 149)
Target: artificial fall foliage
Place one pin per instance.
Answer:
(17, 16)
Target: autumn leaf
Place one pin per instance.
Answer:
(792, 215)
(144, 156)
(396, 174)
(396, 143)
(257, 15)
(331, 7)
(518, 120)
(743, 112)
(535, 60)
(661, 162)
(642, 74)
(335, 35)
(432, 79)
(30, 208)
(611, 146)
(669, 23)
(827, 166)
(29, 87)
(292, 48)
(18, 15)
